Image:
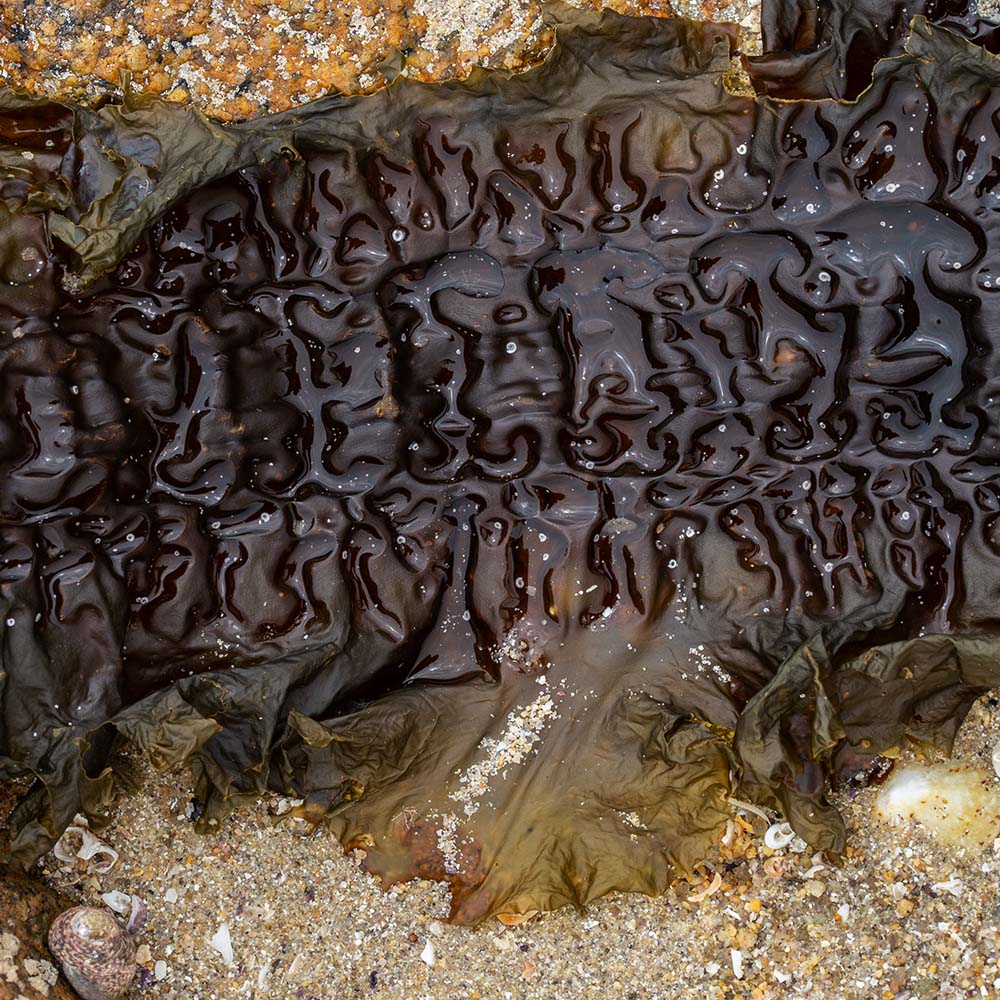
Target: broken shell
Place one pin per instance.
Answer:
(727, 837)
(952, 885)
(223, 943)
(779, 836)
(775, 867)
(120, 902)
(78, 844)
(131, 907)
(749, 807)
(136, 916)
(96, 954)
(709, 890)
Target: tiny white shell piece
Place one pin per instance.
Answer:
(996, 760)
(749, 807)
(223, 944)
(427, 955)
(120, 902)
(136, 915)
(779, 836)
(709, 890)
(953, 886)
(737, 959)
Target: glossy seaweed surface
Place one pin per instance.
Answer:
(514, 469)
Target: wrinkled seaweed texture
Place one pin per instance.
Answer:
(512, 469)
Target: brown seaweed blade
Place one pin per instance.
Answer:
(511, 467)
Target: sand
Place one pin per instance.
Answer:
(902, 917)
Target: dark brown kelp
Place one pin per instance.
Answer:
(516, 468)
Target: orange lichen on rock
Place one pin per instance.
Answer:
(239, 60)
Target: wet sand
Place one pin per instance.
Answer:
(902, 917)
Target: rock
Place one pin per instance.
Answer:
(27, 968)
(956, 804)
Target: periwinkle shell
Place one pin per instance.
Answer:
(95, 952)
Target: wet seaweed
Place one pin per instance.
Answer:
(512, 469)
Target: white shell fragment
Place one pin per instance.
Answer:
(78, 844)
(709, 890)
(128, 906)
(956, 804)
(953, 886)
(779, 836)
(427, 955)
(749, 807)
(737, 959)
(120, 902)
(223, 944)
(136, 915)
(798, 845)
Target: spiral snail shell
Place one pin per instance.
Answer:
(96, 953)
